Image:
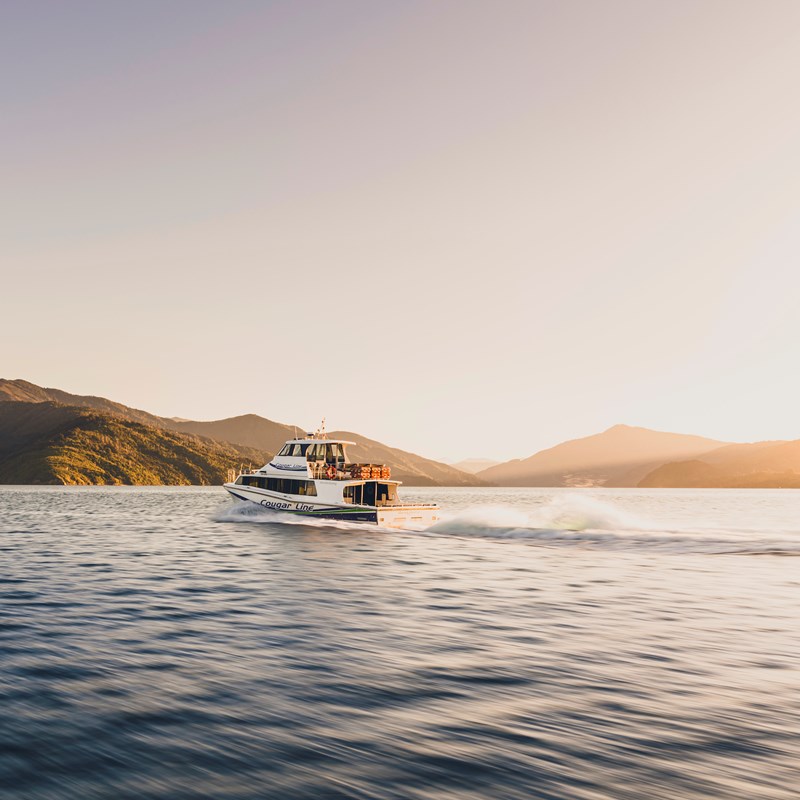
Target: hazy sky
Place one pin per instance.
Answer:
(462, 228)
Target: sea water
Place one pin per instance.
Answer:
(578, 644)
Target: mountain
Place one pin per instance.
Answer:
(757, 465)
(52, 436)
(620, 456)
(407, 467)
(474, 465)
(26, 392)
(249, 431)
(46, 442)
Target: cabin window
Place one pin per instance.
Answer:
(334, 453)
(354, 494)
(369, 494)
(330, 452)
(387, 493)
(307, 488)
(294, 449)
(290, 486)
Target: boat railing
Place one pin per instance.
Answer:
(339, 472)
(349, 472)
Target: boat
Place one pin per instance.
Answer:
(312, 477)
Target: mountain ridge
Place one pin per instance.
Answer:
(618, 456)
(753, 465)
(85, 439)
(249, 433)
(51, 443)
(27, 392)
(475, 465)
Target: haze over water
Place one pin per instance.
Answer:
(164, 643)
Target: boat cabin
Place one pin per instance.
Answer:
(324, 460)
(371, 493)
(325, 452)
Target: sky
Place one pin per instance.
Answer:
(467, 229)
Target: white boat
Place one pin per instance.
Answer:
(312, 478)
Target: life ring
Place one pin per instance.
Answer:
(330, 472)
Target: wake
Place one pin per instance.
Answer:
(569, 520)
(586, 521)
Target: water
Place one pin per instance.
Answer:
(162, 643)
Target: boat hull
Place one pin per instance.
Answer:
(405, 516)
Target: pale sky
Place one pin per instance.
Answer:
(461, 228)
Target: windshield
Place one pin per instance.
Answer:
(294, 449)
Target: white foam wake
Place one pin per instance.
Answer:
(578, 519)
(567, 519)
(568, 512)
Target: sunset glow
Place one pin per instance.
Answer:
(538, 217)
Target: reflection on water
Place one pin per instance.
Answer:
(160, 643)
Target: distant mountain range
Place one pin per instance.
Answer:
(762, 465)
(620, 456)
(52, 436)
(475, 465)
(625, 456)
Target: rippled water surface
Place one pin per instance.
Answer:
(165, 643)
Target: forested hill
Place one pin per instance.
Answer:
(49, 443)
(245, 434)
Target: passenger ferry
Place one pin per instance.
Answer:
(312, 477)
